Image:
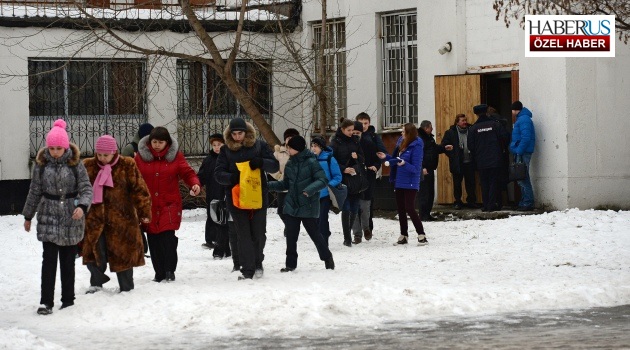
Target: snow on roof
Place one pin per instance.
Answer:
(167, 13)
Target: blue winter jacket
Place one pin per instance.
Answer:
(523, 134)
(333, 174)
(408, 175)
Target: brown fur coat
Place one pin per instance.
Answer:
(118, 217)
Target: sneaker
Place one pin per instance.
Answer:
(330, 264)
(347, 243)
(207, 245)
(217, 257)
(422, 240)
(458, 206)
(236, 268)
(93, 289)
(287, 269)
(170, 276)
(401, 240)
(65, 305)
(367, 233)
(357, 240)
(244, 277)
(521, 208)
(44, 310)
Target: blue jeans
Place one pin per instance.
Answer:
(527, 192)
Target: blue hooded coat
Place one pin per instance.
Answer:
(523, 134)
(408, 175)
(333, 173)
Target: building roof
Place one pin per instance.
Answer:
(260, 16)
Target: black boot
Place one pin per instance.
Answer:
(170, 276)
(330, 263)
(346, 224)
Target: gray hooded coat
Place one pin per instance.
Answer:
(56, 177)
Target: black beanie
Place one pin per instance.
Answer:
(320, 142)
(290, 132)
(216, 137)
(358, 126)
(144, 130)
(238, 124)
(517, 106)
(480, 109)
(297, 143)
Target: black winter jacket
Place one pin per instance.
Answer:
(343, 146)
(456, 156)
(233, 152)
(486, 141)
(214, 190)
(431, 151)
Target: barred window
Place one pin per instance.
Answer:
(400, 68)
(333, 65)
(205, 105)
(94, 97)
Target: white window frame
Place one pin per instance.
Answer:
(399, 61)
(336, 70)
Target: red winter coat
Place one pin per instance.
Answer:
(162, 171)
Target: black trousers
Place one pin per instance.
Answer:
(405, 204)
(67, 255)
(163, 247)
(222, 246)
(322, 221)
(233, 243)
(251, 229)
(210, 232)
(468, 175)
(489, 187)
(426, 195)
(293, 233)
(97, 270)
(281, 196)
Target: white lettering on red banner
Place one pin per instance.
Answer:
(569, 36)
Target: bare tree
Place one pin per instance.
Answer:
(216, 61)
(515, 10)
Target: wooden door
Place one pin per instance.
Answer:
(454, 94)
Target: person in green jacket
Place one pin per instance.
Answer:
(131, 148)
(303, 179)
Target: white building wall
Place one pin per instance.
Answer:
(363, 43)
(582, 156)
(19, 44)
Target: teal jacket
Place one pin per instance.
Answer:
(301, 174)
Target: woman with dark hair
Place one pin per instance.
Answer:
(162, 165)
(348, 152)
(406, 170)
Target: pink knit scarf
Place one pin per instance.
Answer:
(104, 178)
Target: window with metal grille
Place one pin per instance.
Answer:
(400, 68)
(205, 106)
(333, 65)
(94, 97)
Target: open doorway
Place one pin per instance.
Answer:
(458, 94)
(497, 88)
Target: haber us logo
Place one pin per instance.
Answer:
(569, 36)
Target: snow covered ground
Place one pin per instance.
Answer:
(568, 259)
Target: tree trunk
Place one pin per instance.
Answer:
(252, 110)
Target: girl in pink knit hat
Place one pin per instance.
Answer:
(61, 194)
(122, 200)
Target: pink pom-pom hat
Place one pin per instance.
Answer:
(57, 136)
